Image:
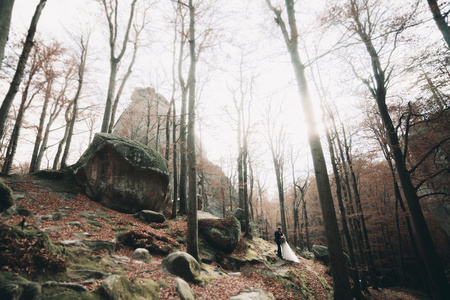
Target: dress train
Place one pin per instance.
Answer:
(287, 253)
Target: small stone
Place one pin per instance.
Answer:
(183, 289)
(141, 255)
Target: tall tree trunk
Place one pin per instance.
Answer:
(440, 287)
(6, 7)
(440, 20)
(278, 175)
(174, 162)
(337, 261)
(247, 233)
(183, 151)
(12, 146)
(53, 115)
(305, 218)
(109, 97)
(354, 270)
(40, 130)
(64, 138)
(122, 86)
(192, 222)
(81, 68)
(354, 221)
(111, 14)
(20, 69)
(368, 250)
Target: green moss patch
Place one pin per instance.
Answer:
(28, 251)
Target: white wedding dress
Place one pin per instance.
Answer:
(287, 253)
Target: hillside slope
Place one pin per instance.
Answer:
(70, 220)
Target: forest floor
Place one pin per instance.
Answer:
(43, 197)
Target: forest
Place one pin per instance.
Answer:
(329, 119)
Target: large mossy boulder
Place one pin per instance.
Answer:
(182, 264)
(223, 234)
(6, 197)
(123, 174)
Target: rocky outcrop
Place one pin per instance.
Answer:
(123, 175)
(223, 234)
(182, 264)
(116, 287)
(6, 198)
(321, 253)
(149, 216)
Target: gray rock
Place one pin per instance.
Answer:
(57, 217)
(97, 245)
(54, 229)
(10, 291)
(72, 286)
(321, 253)
(183, 289)
(31, 291)
(123, 174)
(182, 264)
(223, 234)
(75, 223)
(150, 216)
(142, 255)
(113, 288)
(252, 294)
(6, 197)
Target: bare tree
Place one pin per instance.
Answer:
(192, 235)
(70, 125)
(51, 53)
(338, 269)
(20, 69)
(31, 88)
(111, 9)
(377, 86)
(276, 140)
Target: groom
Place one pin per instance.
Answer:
(277, 240)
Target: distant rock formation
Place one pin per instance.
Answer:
(123, 175)
(145, 118)
(145, 121)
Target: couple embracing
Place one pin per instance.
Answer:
(284, 251)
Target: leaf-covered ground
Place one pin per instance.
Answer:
(81, 218)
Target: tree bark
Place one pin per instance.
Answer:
(174, 162)
(440, 20)
(351, 251)
(20, 69)
(81, 69)
(192, 222)
(34, 166)
(114, 60)
(6, 7)
(183, 147)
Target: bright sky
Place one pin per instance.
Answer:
(242, 26)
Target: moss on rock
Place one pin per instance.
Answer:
(6, 197)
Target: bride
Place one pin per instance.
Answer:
(286, 251)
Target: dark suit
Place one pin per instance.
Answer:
(277, 240)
